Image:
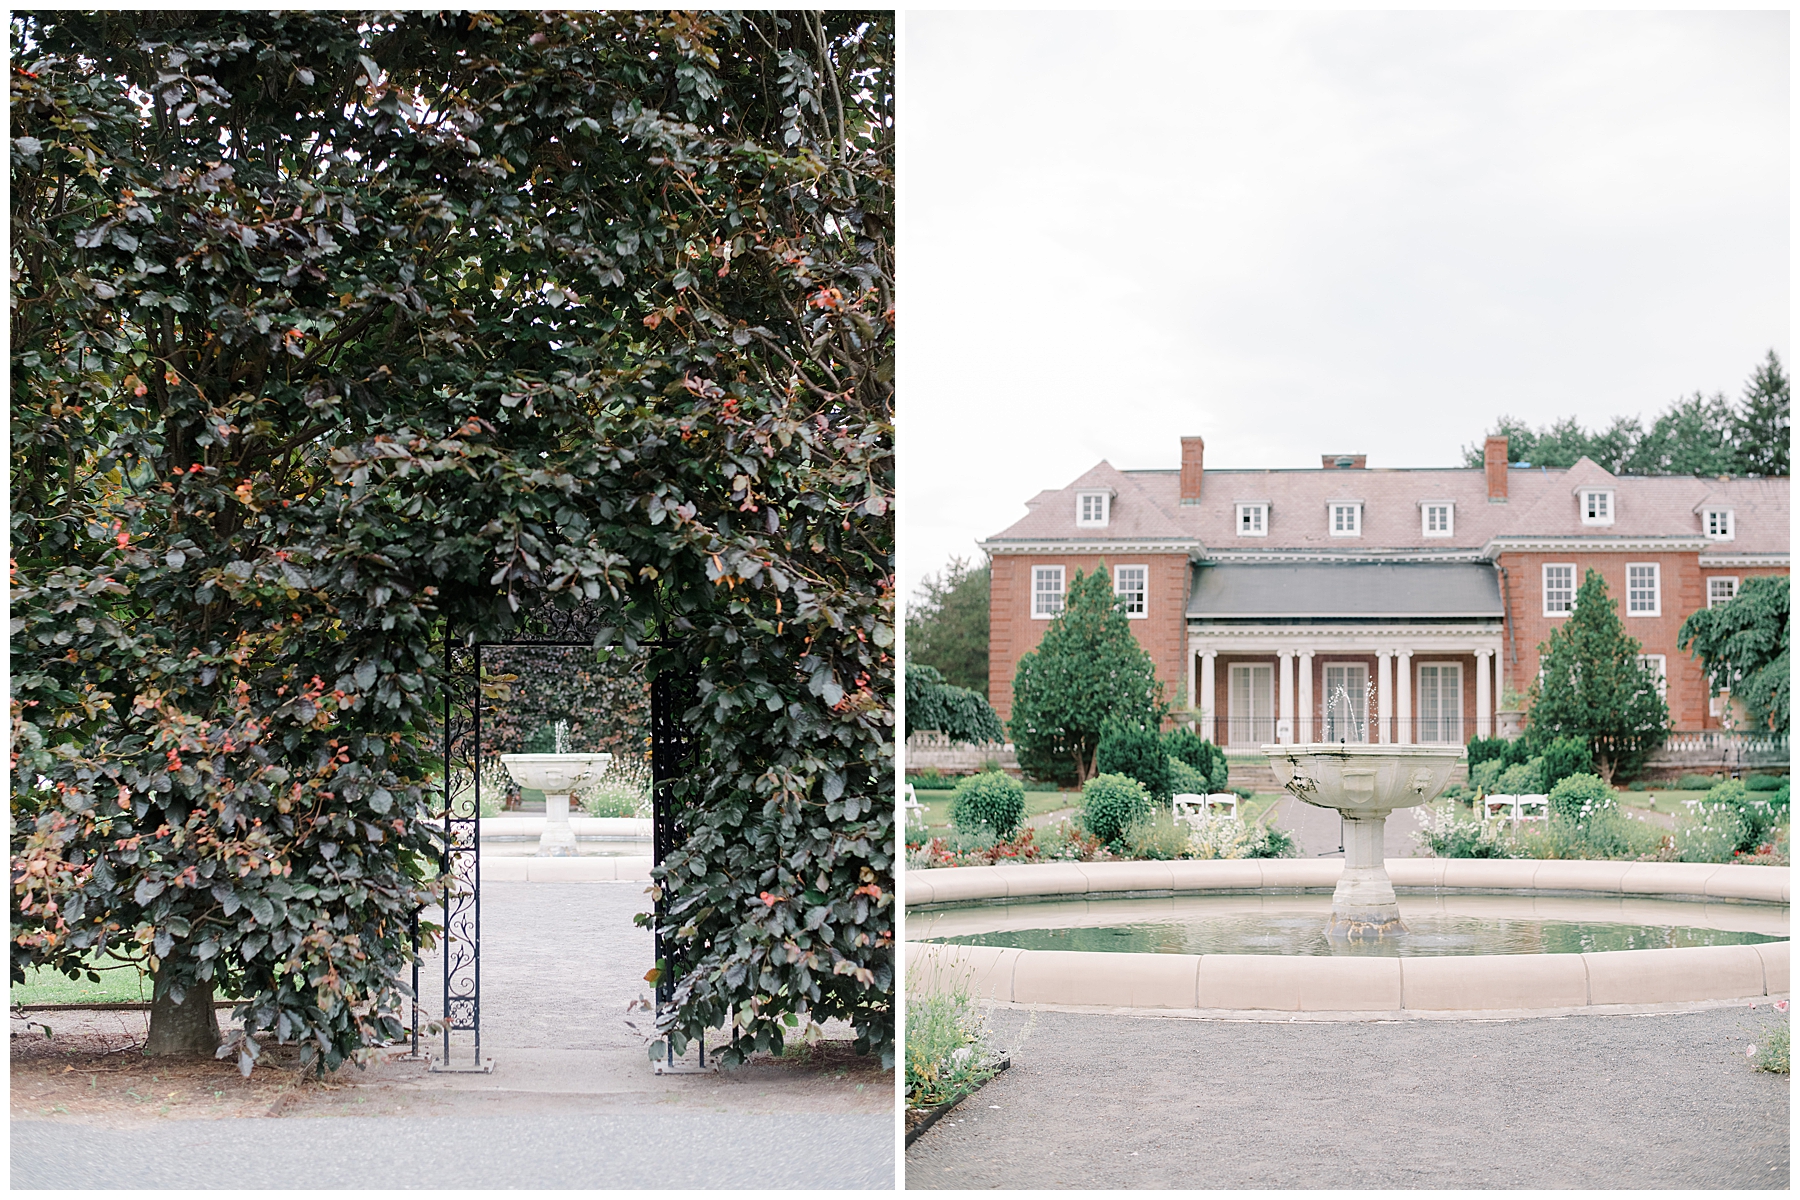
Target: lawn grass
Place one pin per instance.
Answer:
(937, 806)
(121, 985)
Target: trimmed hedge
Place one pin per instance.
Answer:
(1111, 804)
(991, 800)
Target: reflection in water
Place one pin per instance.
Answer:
(1301, 932)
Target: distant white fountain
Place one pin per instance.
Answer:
(556, 775)
(1364, 783)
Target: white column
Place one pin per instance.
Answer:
(1305, 728)
(1384, 694)
(1403, 694)
(1484, 693)
(1284, 710)
(1193, 685)
(1208, 719)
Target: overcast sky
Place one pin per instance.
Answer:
(1297, 234)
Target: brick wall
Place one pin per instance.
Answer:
(1683, 592)
(1013, 632)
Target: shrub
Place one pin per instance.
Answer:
(1486, 749)
(1696, 783)
(1484, 776)
(1772, 1055)
(1242, 793)
(1580, 796)
(1765, 783)
(1184, 779)
(1521, 779)
(931, 778)
(1137, 752)
(1041, 785)
(1730, 821)
(960, 714)
(1562, 758)
(1640, 785)
(1111, 804)
(1159, 837)
(992, 800)
(1270, 841)
(1204, 757)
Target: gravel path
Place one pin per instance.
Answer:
(572, 1102)
(1093, 1101)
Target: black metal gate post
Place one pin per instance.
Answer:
(671, 744)
(461, 868)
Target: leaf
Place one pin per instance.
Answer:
(834, 785)
(366, 671)
(148, 889)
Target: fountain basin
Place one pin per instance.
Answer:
(556, 775)
(1362, 986)
(1364, 783)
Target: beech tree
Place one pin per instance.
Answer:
(1594, 688)
(1088, 673)
(334, 332)
(959, 713)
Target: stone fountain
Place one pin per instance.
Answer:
(556, 775)
(1364, 783)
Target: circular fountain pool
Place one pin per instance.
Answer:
(1505, 937)
(1465, 924)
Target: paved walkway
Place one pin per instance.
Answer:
(1665, 1101)
(572, 1102)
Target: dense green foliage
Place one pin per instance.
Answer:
(1087, 673)
(1593, 687)
(332, 332)
(1506, 751)
(1743, 646)
(1204, 758)
(1138, 752)
(992, 800)
(1563, 757)
(1580, 796)
(1697, 435)
(949, 1047)
(947, 625)
(1111, 804)
(1185, 781)
(960, 713)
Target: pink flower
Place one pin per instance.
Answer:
(1749, 1051)
(1781, 1006)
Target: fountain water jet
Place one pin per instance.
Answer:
(1364, 784)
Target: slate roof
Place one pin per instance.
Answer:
(1361, 590)
(1541, 503)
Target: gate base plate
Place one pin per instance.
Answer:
(484, 1067)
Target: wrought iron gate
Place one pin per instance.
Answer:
(670, 748)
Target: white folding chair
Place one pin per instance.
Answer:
(1225, 800)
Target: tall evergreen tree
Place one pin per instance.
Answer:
(1088, 671)
(1761, 424)
(1594, 688)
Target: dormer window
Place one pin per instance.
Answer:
(1719, 525)
(1344, 518)
(1437, 518)
(1093, 509)
(1253, 519)
(1596, 506)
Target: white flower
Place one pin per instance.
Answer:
(1749, 1051)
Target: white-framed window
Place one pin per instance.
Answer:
(1250, 717)
(1719, 525)
(1438, 519)
(1559, 589)
(1597, 506)
(1643, 589)
(1658, 663)
(1345, 518)
(1093, 509)
(1253, 520)
(1439, 689)
(1719, 589)
(1046, 592)
(1132, 586)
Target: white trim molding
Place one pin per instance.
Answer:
(1089, 546)
(1572, 545)
(1743, 560)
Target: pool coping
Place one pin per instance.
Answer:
(1369, 988)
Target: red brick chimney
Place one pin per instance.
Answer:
(1493, 457)
(1193, 454)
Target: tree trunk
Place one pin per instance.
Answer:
(189, 1029)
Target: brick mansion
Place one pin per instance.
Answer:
(1271, 600)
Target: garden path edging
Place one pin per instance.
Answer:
(1377, 988)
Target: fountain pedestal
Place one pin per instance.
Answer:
(556, 775)
(1364, 784)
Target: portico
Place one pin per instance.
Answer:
(1389, 653)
